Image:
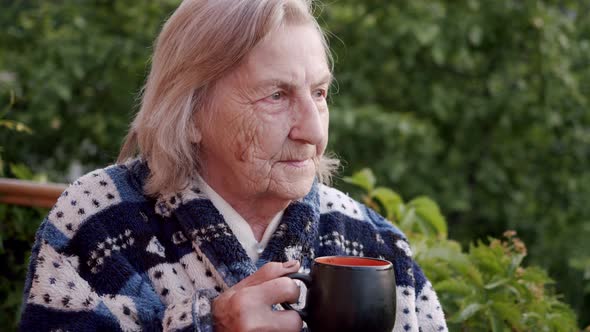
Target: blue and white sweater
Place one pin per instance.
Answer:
(107, 257)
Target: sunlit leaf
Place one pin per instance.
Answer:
(390, 200)
(363, 178)
(469, 311)
(429, 215)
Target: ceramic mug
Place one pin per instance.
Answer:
(346, 293)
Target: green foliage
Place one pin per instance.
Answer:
(74, 69)
(483, 289)
(17, 232)
(10, 125)
(481, 105)
(419, 215)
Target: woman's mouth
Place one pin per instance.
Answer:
(296, 162)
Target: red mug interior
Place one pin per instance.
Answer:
(351, 261)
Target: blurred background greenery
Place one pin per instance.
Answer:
(480, 105)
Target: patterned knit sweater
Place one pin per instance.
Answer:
(107, 257)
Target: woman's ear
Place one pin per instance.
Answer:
(196, 136)
(196, 133)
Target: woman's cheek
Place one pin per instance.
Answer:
(243, 141)
(271, 109)
(274, 116)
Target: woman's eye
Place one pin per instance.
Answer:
(319, 93)
(276, 96)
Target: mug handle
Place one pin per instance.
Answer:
(306, 278)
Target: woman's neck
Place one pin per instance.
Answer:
(257, 210)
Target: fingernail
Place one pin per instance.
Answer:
(290, 264)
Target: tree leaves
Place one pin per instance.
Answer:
(428, 216)
(485, 288)
(364, 179)
(494, 96)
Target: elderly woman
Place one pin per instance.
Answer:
(218, 193)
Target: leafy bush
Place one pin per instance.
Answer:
(17, 232)
(74, 69)
(483, 289)
(481, 105)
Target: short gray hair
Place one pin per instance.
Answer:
(201, 42)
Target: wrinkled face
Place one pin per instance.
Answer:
(268, 124)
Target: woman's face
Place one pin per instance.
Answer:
(268, 123)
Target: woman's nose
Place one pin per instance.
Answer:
(307, 127)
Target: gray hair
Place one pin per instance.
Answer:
(201, 42)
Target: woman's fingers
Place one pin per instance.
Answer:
(268, 272)
(278, 290)
(286, 321)
(274, 291)
(247, 306)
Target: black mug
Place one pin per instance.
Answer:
(346, 293)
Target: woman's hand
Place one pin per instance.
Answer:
(247, 306)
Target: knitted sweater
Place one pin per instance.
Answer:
(107, 257)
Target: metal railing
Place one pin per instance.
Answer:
(29, 193)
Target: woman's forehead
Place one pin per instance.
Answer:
(292, 55)
(290, 81)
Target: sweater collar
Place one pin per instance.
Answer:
(238, 225)
(211, 234)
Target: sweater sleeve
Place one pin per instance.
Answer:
(428, 309)
(58, 297)
(95, 266)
